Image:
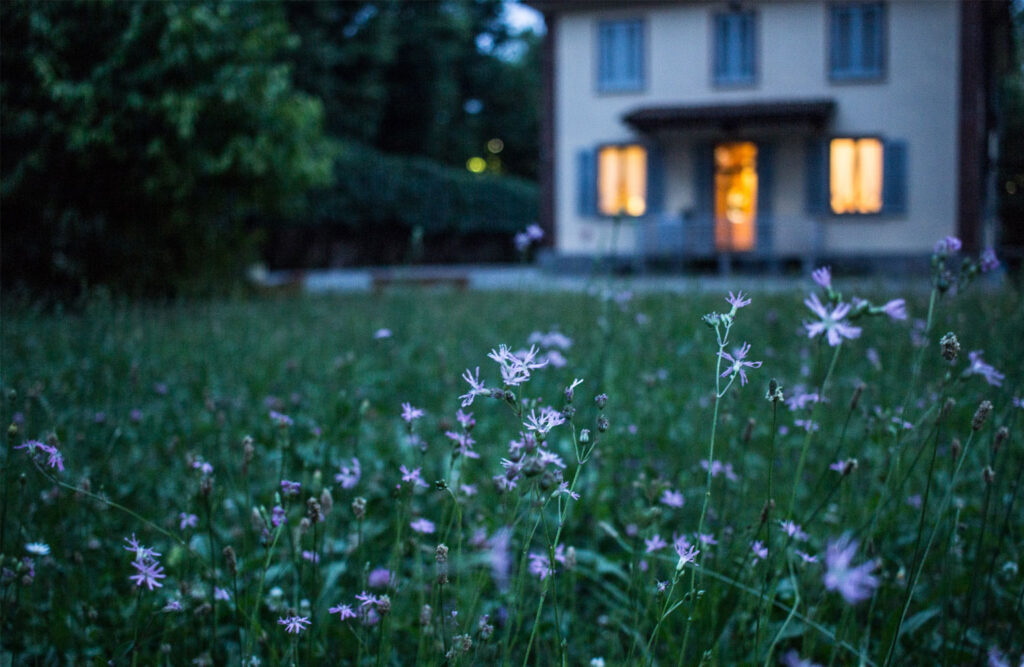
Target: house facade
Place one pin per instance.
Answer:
(773, 130)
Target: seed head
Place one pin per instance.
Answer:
(601, 400)
(988, 474)
(326, 501)
(313, 511)
(955, 448)
(230, 560)
(441, 553)
(949, 346)
(425, 614)
(384, 605)
(774, 393)
(602, 424)
(981, 414)
(1001, 435)
(359, 507)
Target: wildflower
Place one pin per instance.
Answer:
(672, 498)
(844, 468)
(311, 556)
(800, 400)
(793, 530)
(149, 573)
(823, 276)
(522, 241)
(737, 301)
(172, 605)
(348, 477)
(853, 583)
(548, 419)
(54, 458)
(542, 566)
(366, 600)
(290, 488)
(410, 414)
(687, 555)
(807, 425)
(948, 246)
(793, 659)
(570, 391)
(380, 334)
(464, 444)
(831, 323)
(988, 260)
(422, 526)
(277, 516)
(546, 457)
(221, 594)
(465, 419)
(281, 419)
(707, 539)
(760, 550)
(515, 369)
(187, 520)
(379, 577)
(738, 362)
(534, 232)
(412, 476)
(717, 468)
(979, 367)
(476, 387)
(294, 624)
(37, 548)
(896, 309)
(655, 543)
(141, 553)
(564, 490)
(468, 489)
(343, 611)
(806, 557)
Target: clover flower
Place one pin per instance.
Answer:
(294, 624)
(831, 323)
(853, 583)
(738, 362)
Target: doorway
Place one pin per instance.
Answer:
(735, 196)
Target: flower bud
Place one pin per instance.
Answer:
(601, 400)
(1001, 435)
(585, 436)
(602, 424)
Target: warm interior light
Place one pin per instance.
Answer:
(622, 180)
(735, 196)
(855, 175)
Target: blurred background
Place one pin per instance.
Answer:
(167, 147)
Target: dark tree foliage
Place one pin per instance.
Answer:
(138, 136)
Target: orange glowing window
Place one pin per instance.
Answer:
(622, 180)
(855, 175)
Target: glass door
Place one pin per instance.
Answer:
(735, 196)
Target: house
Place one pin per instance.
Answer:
(766, 132)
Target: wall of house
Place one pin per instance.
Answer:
(915, 102)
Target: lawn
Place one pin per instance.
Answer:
(238, 482)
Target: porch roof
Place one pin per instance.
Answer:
(729, 116)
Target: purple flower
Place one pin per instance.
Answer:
(412, 476)
(221, 594)
(844, 468)
(807, 424)
(277, 516)
(522, 241)
(760, 550)
(515, 368)
(534, 232)
(823, 276)
(542, 566)
(476, 387)
(379, 577)
(409, 413)
(348, 477)
(738, 362)
(548, 419)
(979, 367)
(280, 419)
(737, 301)
(793, 659)
(988, 260)
(672, 498)
(172, 605)
(54, 458)
(896, 309)
(289, 488)
(343, 611)
(149, 573)
(422, 526)
(141, 553)
(687, 554)
(655, 543)
(311, 556)
(831, 323)
(853, 583)
(948, 245)
(564, 490)
(294, 624)
(381, 334)
(717, 468)
(465, 419)
(793, 530)
(806, 557)
(187, 521)
(463, 444)
(366, 600)
(135, 415)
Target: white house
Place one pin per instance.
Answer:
(774, 130)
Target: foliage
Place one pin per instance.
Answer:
(388, 194)
(139, 136)
(151, 408)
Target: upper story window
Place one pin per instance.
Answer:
(734, 48)
(857, 41)
(620, 53)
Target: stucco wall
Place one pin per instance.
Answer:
(916, 102)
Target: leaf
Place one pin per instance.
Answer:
(915, 622)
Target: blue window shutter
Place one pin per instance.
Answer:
(734, 47)
(606, 56)
(655, 180)
(894, 178)
(721, 46)
(586, 173)
(635, 54)
(748, 47)
(872, 25)
(765, 193)
(702, 238)
(816, 176)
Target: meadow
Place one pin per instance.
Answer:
(375, 479)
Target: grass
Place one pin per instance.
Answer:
(133, 395)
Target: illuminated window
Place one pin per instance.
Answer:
(856, 175)
(622, 180)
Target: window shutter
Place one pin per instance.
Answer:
(747, 47)
(634, 56)
(586, 173)
(703, 237)
(894, 178)
(606, 55)
(721, 46)
(816, 176)
(765, 191)
(655, 180)
(871, 24)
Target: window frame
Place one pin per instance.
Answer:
(720, 80)
(597, 179)
(857, 74)
(603, 85)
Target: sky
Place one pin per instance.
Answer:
(521, 17)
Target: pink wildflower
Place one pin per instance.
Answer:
(422, 525)
(655, 543)
(737, 301)
(672, 498)
(409, 413)
(412, 476)
(738, 362)
(348, 477)
(853, 583)
(343, 611)
(823, 276)
(831, 324)
(294, 624)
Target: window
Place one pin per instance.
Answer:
(858, 41)
(620, 66)
(734, 48)
(622, 180)
(855, 175)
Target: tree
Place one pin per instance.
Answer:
(138, 137)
